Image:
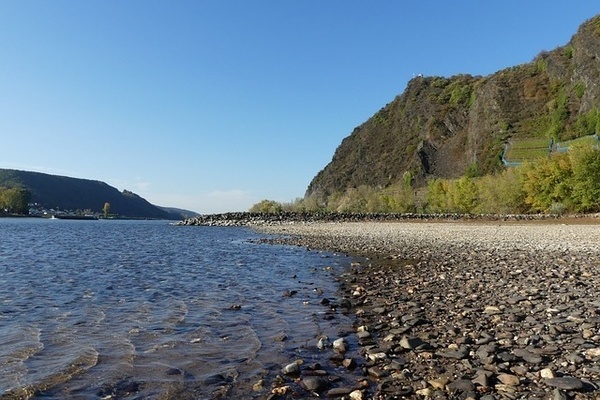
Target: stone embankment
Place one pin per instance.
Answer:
(287, 218)
(461, 310)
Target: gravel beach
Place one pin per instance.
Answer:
(459, 310)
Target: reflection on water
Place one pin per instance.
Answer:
(143, 309)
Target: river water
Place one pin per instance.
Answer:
(149, 310)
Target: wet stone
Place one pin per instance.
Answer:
(376, 372)
(314, 383)
(291, 369)
(339, 392)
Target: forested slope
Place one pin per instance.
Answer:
(447, 127)
(66, 193)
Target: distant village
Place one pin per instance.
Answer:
(37, 210)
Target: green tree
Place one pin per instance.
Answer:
(267, 206)
(464, 195)
(437, 196)
(15, 200)
(548, 182)
(585, 162)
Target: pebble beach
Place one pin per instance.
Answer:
(467, 310)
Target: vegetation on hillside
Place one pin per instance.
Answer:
(66, 193)
(445, 128)
(562, 183)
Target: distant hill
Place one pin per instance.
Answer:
(446, 127)
(178, 211)
(65, 193)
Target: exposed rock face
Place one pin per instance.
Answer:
(440, 126)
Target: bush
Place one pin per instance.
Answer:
(267, 206)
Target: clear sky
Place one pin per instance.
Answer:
(214, 105)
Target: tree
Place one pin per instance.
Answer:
(267, 206)
(106, 209)
(548, 182)
(15, 200)
(585, 162)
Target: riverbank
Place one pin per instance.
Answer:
(469, 309)
(288, 218)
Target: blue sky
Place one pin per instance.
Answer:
(212, 106)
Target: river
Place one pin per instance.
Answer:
(145, 309)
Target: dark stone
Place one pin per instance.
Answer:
(565, 383)
(339, 392)
(528, 356)
(461, 385)
(456, 354)
(314, 383)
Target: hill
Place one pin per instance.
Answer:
(65, 193)
(445, 127)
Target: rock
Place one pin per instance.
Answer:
(339, 392)
(558, 394)
(456, 354)
(505, 389)
(292, 369)
(340, 345)
(349, 363)
(593, 353)
(259, 386)
(439, 383)
(460, 385)
(410, 343)
(356, 395)
(427, 392)
(282, 390)
(363, 335)
(314, 384)
(323, 343)
(490, 321)
(575, 358)
(375, 355)
(520, 370)
(376, 372)
(565, 383)
(214, 379)
(482, 378)
(492, 310)
(509, 379)
(378, 310)
(528, 356)
(547, 373)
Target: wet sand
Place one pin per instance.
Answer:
(481, 310)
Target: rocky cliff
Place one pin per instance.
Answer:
(444, 127)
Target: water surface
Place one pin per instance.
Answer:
(145, 309)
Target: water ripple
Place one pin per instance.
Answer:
(111, 309)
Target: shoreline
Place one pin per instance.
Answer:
(469, 310)
(289, 218)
